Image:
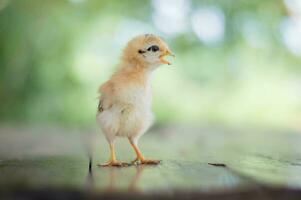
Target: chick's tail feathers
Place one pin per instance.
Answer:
(99, 107)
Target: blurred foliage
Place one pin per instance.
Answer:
(55, 53)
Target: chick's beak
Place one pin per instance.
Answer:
(166, 53)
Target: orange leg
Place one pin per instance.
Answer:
(113, 161)
(140, 158)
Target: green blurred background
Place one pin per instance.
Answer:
(238, 61)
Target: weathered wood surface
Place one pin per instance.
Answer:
(258, 165)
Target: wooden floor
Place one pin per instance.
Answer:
(207, 163)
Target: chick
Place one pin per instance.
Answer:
(124, 108)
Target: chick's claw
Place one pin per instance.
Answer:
(114, 164)
(135, 161)
(138, 161)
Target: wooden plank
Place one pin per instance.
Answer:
(239, 161)
(58, 171)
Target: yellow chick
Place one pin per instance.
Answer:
(124, 108)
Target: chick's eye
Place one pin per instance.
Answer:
(153, 48)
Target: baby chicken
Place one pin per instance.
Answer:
(124, 108)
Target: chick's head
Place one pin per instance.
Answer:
(148, 50)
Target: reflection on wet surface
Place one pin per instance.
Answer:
(114, 176)
(170, 175)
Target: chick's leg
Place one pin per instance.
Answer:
(113, 161)
(140, 158)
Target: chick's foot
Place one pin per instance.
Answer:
(114, 164)
(138, 161)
